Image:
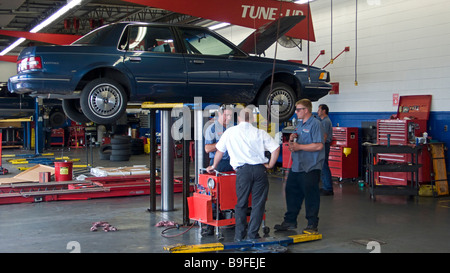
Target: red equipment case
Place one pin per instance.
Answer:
(211, 189)
(214, 200)
(412, 118)
(344, 151)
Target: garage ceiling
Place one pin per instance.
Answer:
(23, 15)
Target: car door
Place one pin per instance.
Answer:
(156, 63)
(217, 71)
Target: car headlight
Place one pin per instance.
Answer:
(324, 76)
(211, 183)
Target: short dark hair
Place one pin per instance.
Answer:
(324, 107)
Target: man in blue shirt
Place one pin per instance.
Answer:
(213, 134)
(327, 186)
(306, 146)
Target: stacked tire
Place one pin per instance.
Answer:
(120, 148)
(105, 152)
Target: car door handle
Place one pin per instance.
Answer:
(135, 59)
(198, 61)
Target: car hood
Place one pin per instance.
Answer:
(265, 36)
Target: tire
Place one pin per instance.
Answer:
(72, 109)
(121, 147)
(103, 101)
(120, 140)
(57, 119)
(125, 146)
(105, 155)
(281, 95)
(105, 152)
(119, 158)
(121, 152)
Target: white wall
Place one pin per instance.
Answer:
(7, 69)
(403, 47)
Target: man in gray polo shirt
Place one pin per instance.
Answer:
(308, 155)
(327, 185)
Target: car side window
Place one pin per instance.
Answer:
(198, 41)
(149, 38)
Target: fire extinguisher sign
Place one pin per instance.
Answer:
(395, 99)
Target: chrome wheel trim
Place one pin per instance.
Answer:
(281, 98)
(105, 100)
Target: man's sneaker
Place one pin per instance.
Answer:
(311, 229)
(326, 193)
(285, 226)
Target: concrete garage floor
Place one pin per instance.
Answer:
(348, 220)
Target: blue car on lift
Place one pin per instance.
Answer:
(128, 62)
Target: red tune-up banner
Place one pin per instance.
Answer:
(57, 39)
(246, 13)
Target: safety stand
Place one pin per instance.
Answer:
(38, 127)
(2, 170)
(89, 144)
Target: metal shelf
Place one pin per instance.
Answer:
(412, 167)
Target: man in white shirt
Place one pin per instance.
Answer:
(246, 146)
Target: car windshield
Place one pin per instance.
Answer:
(95, 37)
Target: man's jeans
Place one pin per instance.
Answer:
(303, 186)
(326, 173)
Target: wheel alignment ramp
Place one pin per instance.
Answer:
(212, 247)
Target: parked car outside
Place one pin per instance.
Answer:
(129, 62)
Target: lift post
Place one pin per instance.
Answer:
(166, 154)
(166, 161)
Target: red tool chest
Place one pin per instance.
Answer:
(412, 119)
(344, 150)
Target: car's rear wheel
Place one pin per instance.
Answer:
(103, 101)
(72, 109)
(280, 95)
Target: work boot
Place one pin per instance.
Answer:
(285, 226)
(311, 229)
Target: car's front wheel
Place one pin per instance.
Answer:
(103, 101)
(280, 95)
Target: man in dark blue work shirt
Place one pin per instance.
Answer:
(306, 146)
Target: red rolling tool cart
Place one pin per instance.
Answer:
(344, 151)
(214, 200)
(410, 123)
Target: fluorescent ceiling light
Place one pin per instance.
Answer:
(303, 1)
(12, 46)
(43, 24)
(217, 26)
